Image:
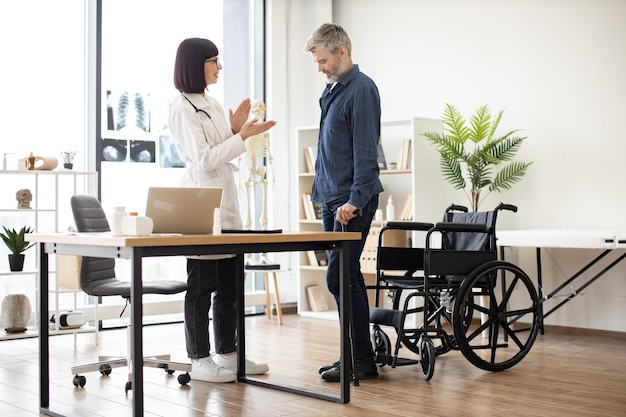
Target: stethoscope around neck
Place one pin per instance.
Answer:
(197, 109)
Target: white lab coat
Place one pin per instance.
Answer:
(207, 145)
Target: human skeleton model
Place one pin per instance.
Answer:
(258, 146)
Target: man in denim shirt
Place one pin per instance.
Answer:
(346, 174)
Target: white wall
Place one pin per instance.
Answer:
(557, 67)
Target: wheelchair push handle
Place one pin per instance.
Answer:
(456, 207)
(509, 207)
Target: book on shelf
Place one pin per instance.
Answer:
(404, 155)
(382, 162)
(317, 299)
(311, 257)
(370, 249)
(317, 210)
(321, 255)
(307, 206)
(309, 158)
(318, 257)
(407, 208)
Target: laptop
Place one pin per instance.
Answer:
(183, 210)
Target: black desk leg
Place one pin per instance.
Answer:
(44, 332)
(240, 309)
(136, 320)
(345, 315)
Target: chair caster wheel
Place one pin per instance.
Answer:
(183, 379)
(79, 381)
(105, 370)
(128, 387)
(169, 371)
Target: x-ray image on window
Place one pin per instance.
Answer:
(128, 111)
(168, 156)
(142, 151)
(114, 150)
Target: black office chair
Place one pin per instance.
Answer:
(97, 278)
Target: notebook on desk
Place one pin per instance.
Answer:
(183, 210)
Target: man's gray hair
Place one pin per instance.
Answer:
(328, 36)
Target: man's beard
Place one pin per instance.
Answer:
(336, 73)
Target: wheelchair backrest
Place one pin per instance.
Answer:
(470, 241)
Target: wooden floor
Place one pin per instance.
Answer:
(563, 375)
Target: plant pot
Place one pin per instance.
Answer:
(68, 166)
(16, 261)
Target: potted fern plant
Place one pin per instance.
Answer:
(474, 155)
(16, 244)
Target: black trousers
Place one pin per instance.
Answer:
(210, 282)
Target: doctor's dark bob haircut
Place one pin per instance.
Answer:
(189, 64)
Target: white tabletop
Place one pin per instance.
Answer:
(563, 238)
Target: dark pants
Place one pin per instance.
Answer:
(206, 279)
(363, 351)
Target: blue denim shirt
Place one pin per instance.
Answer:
(346, 169)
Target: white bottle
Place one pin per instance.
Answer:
(116, 220)
(391, 209)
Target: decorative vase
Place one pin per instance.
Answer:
(15, 313)
(16, 261)
(68, 166)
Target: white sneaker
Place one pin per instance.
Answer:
(206, 370)
(230, 363)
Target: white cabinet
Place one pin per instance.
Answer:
(49, 212)
(399, 183)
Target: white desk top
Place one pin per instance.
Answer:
(108, 240)
(563, 238)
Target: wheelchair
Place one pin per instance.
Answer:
(452, 294)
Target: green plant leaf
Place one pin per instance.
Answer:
(509, 175)
(505, 148)
(15, 239)
(481, 126)
(457, 131)
(451, 169)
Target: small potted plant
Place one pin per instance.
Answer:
(16, 244)
(68, 159)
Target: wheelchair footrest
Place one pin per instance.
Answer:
(405, 361)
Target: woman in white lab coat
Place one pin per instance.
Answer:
(206, 142)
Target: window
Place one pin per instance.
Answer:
(139, 43)
(42, 83)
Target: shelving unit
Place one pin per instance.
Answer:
(398, 183)
(50, 212)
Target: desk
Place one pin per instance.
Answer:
(603, 239)
(136, 248)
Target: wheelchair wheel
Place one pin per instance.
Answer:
(504, 316)
(427, 357)
(382, 346)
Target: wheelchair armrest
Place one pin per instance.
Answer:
(402, 225)
(461, 227)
